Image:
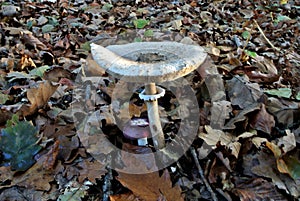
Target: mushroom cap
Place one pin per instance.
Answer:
(136, 129)
(146, 62)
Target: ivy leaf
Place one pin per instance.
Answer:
(281, 92)
(18, 144)
(140, 23)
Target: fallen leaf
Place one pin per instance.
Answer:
(241, 116)
(37, 177)
(257, 189)
(18, 144)
(285, 164)
(51, 156)
(38, 97)
(281, 92)
(30, 39)
(214, 136)
(219, 113)
(125, 197)
(140, 23)
(151, 186)
(288, 142)
(284, 111)
(90, 170)
(67, 146)
(262, 120)
(242, 92)
(19, 194)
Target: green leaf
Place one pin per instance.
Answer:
(86, 46)
(250, 53)
(39, 71)
(298, 96)
(53, 21)
(137, 39)
(47, 28)
(283, 18)
(18, 144)
(3, 98)
(246, 35)
(74, 194)
(281, 92)
(293, 166)
(107, 6)
(149, 33)
(29, 24)
(140, 23)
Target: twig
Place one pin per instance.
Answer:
(200, 171)
(107, 182)
(265, 37)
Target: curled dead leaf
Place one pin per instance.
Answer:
(38, 97)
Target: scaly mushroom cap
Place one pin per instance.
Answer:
(136, 129)
(146, 62)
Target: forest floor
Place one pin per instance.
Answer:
(61, 136)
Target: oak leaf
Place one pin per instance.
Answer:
(151, 186)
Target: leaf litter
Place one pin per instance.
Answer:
(251, 152)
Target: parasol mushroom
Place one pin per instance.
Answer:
(137, 129)
(150, 63)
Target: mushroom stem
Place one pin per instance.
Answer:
(153, 116)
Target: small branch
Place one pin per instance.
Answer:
(265, 37)
(107, 182)
(200, 171)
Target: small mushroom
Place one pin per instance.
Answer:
(150, 63)
(137, 129)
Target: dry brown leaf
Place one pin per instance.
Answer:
(242, 92)
(263, 121)
(125, 197)
(214, 136)
(241, 115)
(142, 161)
(30, 39)
(38, 97)
(26, 62)
(67, 146)
(6, 174)
(51, 156)
(55, 74)
(219, 113)
(288, 142)
(37, 177)
(92, 68)
(151, 186)
(90, 170)
(284, 111)
(257, 189)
